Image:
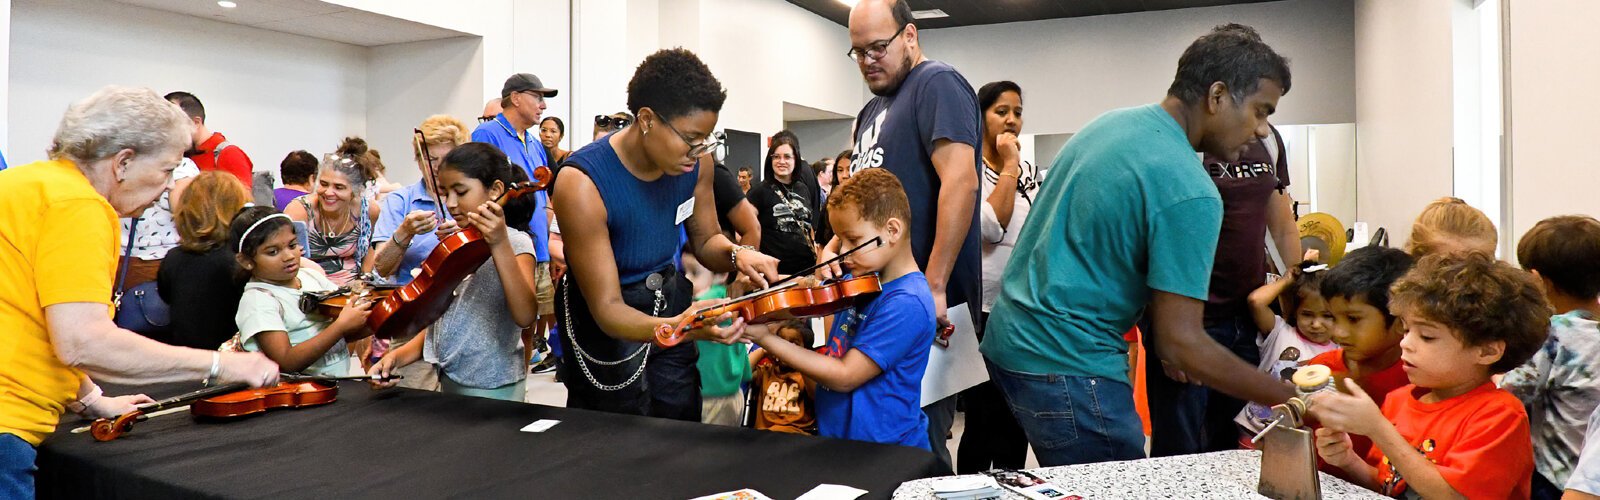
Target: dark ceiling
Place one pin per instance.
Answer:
(976, 12)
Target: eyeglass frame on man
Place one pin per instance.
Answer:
(695, 150)
(882, 47)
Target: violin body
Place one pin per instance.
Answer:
(252, 401)
(778, 305)
(410, 308)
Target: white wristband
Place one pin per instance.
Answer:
(83, 404)
(216, 368)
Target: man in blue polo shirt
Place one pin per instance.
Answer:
(1125, 225)
(522, 104)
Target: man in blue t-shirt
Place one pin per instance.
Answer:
(522, 100)
(923, 128)
(1126, 225)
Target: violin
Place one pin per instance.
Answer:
(328, 304)
(777, 304)
(227, 401)
(410, 308)
(293, 394)
(782, 301)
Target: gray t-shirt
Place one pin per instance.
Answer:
(476, 342)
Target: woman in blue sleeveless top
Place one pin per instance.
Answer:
(623, 202)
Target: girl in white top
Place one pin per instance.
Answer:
(269, 318)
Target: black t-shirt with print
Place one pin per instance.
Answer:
(785, 212)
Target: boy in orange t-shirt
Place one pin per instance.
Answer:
(1357, 291)
(1451, 433)
(784, 397)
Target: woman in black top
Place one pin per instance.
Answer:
(787, 209)
(199, 279)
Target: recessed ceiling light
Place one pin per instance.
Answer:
(226, 4)
(928, 14)
(848, 3)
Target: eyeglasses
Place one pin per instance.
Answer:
(611, 122)
(485, 119)
(695, 150)
(538, 97)
(874, 50)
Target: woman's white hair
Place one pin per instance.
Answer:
(117, 118)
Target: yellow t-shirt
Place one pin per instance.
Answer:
(58, 244)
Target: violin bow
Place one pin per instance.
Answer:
(433, 172)
(819, 265)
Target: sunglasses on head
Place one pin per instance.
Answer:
(611, 122)
(485, 119)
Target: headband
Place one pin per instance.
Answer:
(240, 246)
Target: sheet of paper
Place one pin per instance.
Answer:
(955, 368)
(833, 492)
(540, 425)
(744, 494)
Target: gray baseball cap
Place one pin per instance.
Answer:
(525, 82)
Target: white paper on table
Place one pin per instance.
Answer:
(832, 492)
(955, 368)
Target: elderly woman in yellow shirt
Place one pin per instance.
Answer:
(112, 155)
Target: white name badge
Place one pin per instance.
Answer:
(684, 211)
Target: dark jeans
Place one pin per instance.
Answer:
(1187, 418)
(16, 467)
(941, 417)
(1073, 420)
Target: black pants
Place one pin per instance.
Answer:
(669, 386)
(1188, 418)
(992, 439)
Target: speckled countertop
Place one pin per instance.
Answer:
(1224, 474)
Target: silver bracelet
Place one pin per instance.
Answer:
(734, 255)
(216, 368)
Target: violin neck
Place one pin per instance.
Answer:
(193, 396)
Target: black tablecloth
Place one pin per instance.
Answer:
(402, 443)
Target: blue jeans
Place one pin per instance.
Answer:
(16, 467)
(1073, 420)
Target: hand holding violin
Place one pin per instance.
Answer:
(353, 318)
(109, 407)
(491, 221)
(446, 228)
(712, 329)
(762, 269)
(251, 368)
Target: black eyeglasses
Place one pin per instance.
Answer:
(485, 119)
(874, 50)
(611, 122)
(695, 150)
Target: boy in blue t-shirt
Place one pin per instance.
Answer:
(870, 380)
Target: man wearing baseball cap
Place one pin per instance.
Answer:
(522, 102)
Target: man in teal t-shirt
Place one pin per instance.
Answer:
(1127, 222)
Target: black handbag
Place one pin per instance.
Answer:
(141, 309)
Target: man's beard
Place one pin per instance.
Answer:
(894, 83)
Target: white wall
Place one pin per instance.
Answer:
(269, 92)
(767, 52)
(1555, 67)
(1404, 119)
(1072, 70)
(5, 75)
(822, 138)
(409, 82)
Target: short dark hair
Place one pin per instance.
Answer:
(799, 325)
(902, 14)
(876, 194)
(673, 83)
(560, 126)
(485, 162)
(990, 92)
(1366, 274)
(1232, 54)
(298, 167)
(246, 244)
(745, 169)
(1482, 300)
(188, 103)
(1565, 250)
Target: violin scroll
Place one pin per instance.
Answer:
(106, 429)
